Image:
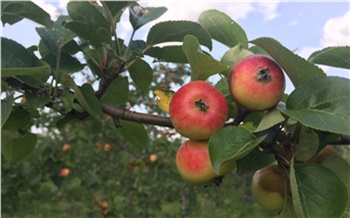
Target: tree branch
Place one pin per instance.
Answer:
(125, 114)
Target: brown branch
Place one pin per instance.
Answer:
(125, 114)
(342, 140)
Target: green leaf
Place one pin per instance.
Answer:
(134, 133)
(321, 193)
(202, 65)
(223, 29)
(15, 148)
(68, 63)
(307, 145)
(254, 161)
(340, 167)
(139, 15)
(36, 100)
(175, 31)
(297, 68)
(231, 143)
(14, 11)
(18, 119)
(322, 104)
(117, 8)
(117, 92)
(88, 22)
(142, 74)
(17, 61)
(234, 54)
(6, 107)
(271, 118)
(172, 54)
(332, 56)
(85, 96)
(89, 95)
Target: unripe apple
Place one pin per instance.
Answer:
(256, 83)
(269, 188)
(194, 166)
(323, 154)
(197, 110)
(64, 172)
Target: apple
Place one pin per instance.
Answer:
(323, 154)
(107, 147)
(197, 110)
(64, 172)
(153, 158)
(269, 188)
(194, 166)
(104, 205)
(66, 147)
(256, 83)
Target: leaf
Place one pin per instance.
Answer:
(340, 167)
(307, 145)
(117, 92)
(18, 119)
(322, 104)
(139, 15)
(17, 61)
(89, 95)
(117, 8)
(254, 161)
(163, 99)
(172, 54)
(175, 31)
(88, 22)
(202, 65)
(234, 54)
(332, 56)
(6, 107)
(134, 133)
(16, 148)
(14, 11)
(271, 118)
(223, 29)
(36, 100)
(321, 193)
(297, 68)
(230, 143)
(142, 74)
(87, 100)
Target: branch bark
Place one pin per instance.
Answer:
(125, 114)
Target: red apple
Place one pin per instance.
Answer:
(194, 166)
(197, 110)
(64, 172)
(256, 83)
(269, 188)
(153, 158)
(66, 147)
(107, 147)
(104, 205)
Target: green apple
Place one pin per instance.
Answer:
(269, 188)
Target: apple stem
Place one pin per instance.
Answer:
(202, 106)
(264, 75)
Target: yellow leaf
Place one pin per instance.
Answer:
(163, 99)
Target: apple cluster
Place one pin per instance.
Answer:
(197, 110)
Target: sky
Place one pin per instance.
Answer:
(303, 27)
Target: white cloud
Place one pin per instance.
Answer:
(336, 31)
(268, 10)
(49, 8)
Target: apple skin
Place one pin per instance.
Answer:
(194, 166)
(268, 188)
(153, 158)
(321, 156)
(64, 172)
(66, 147)
(256, 83)
(197, 110)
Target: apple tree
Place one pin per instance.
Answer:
(83, 72)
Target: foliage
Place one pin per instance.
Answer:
(120, 80)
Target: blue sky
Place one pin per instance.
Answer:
(304, 26)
